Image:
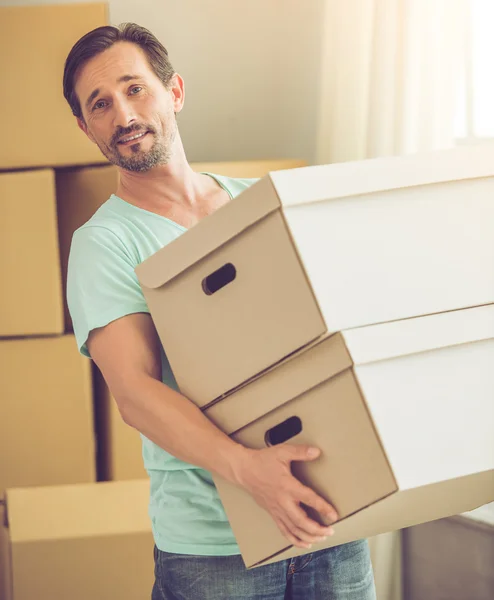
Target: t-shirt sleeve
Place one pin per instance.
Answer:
(101, 282)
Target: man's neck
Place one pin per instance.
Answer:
(173, 190)
(165, 187)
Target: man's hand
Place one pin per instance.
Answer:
(267, 476)
(128, 353)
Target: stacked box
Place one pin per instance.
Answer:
(36, 119)
(31, 299)
(404, 426)
(81, 541)
(46, 413)
(46, 407)
(366, 270)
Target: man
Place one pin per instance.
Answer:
(125, 95)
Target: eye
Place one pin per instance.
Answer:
(135, 90)
(99, 104)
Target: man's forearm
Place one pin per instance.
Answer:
(178, 426)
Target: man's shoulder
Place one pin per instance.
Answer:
(106, 228)
(106, 217)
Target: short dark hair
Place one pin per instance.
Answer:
(100, 39)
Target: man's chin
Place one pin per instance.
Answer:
(139, 164)
(139, 161)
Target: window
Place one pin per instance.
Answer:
(475, 102)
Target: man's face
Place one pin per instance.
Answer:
(127, 111)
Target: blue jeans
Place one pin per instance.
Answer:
(339, 573)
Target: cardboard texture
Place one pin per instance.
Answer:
(402, 412)
(46, 413)
(308, 252)
(34, 43)
(248, 168)
(31, 298)
(119, 445)
(81, 541)
(5, 584)
(80, 192)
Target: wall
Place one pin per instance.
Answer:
(251, 71)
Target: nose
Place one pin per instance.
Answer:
(123, 113)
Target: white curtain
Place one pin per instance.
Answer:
(389, 83)
(389, 78)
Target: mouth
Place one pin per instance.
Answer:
(128, 140)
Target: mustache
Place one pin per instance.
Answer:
(124, 131)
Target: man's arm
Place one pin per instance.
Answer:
(127, 351)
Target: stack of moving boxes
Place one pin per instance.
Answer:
(66, 458)
(350, 307)
(62, 534)
(73, 490)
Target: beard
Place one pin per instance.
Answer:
(140, 160)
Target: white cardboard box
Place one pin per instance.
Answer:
(403, 413)
(311, 251)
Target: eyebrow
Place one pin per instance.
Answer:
(96, 92)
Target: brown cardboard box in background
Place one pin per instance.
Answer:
(36, 119)
(81, 541)
(80, 192)
(247, 168)
(4, 555)
(387, 406)
(311, 251)
(31, 297)
(46, 413)
(119, 445)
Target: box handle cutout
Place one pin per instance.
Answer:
(283, 432)
(218, 279)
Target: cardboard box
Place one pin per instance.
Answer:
(81, 541)
(402, 412)
(46, 413)
(119, 445)
(81, 191)
(248, 168)
(311, 251)
(5, 584)
(36, 119)
(31, 298)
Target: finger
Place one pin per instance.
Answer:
(291, 452)
(307, 537)
(301, 521)
(294, 540)
(310, 498)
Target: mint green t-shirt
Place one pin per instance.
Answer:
(186, 513)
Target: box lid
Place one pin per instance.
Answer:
(305, 185)
(325, 358)
(281, 383)
(75, 511)
(355, 178)
(419, 334)
(246, 209)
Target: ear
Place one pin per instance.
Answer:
(177, 90)
(83, 126)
